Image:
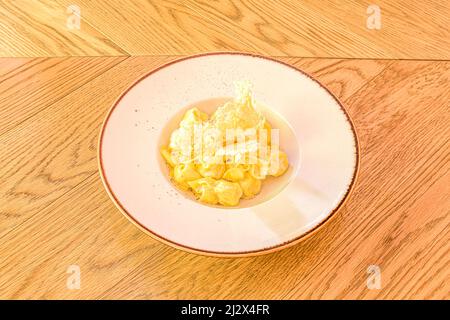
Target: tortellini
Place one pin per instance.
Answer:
(204, 190)
(211, 170)
(224, 177)
(234, 174)
(250, 186)
(183, 173)
(228, 193)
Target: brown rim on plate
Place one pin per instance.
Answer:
(267, 250)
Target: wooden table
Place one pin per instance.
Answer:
(57, 85)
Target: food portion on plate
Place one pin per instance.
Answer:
(225, 157)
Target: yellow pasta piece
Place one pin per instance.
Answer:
(192, 117)
(197, 184)
(204, 190)
(277, 169)
(167, 156)
(234, 174)
(244, 167)
(250, 186)
(208, 195)
(183, 185)
(268, 129)
(185, 172)
(228, 193)
(211, 170)
(259, 171)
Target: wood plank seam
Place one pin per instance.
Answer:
(127, 54)
(212, 21)
(361, 87)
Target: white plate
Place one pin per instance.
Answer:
(315, 132)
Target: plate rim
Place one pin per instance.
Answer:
(236, 254)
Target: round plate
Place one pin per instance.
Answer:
(324, 155)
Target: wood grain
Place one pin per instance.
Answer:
(31, 79)
(38, 28)
(54, 211)
(402, 117)
(157, 27)
(64, 153)
(51, 179)
(333, 29)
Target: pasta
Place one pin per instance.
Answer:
(204, 189)
(211, 170)
(250, 186)
(234, 174)
(222, 168)
(228, 193)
